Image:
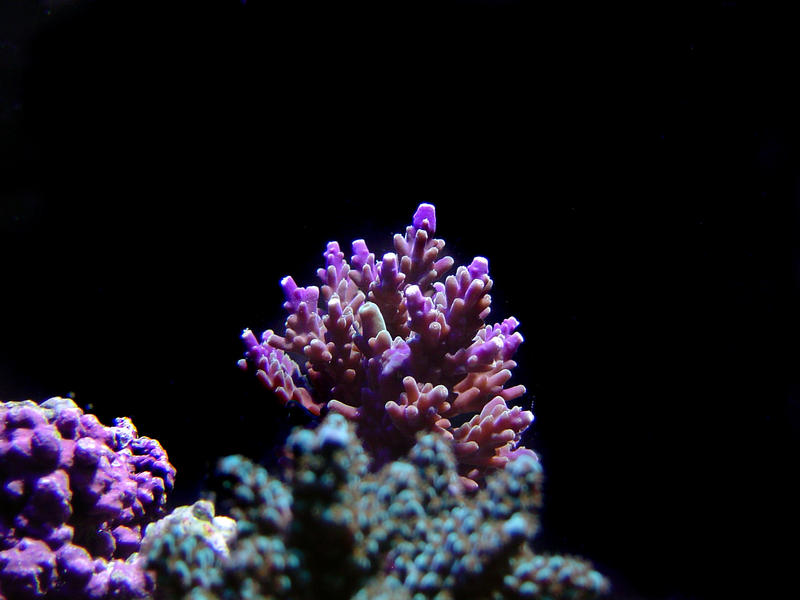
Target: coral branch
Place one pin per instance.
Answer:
(399, 347)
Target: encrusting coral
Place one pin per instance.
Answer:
(399, 348)
(331, 529)
(74, 498)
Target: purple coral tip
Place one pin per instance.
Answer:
(478, 267)
(425, 212)
(289, 286)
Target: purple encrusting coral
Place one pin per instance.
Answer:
(398, 348)
(75, 497)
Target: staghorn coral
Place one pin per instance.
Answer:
(74, 498)
(331, 528)
(399, 348)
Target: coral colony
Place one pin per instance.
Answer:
(412, 485)
(74, 500)
(399, 349)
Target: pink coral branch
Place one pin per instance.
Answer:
(420, 408)
(486, 440)
(276, 370)
(400, 347)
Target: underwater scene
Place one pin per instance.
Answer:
(459, 300)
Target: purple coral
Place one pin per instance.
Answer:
(74, 498)
(399, 348)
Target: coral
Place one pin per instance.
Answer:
(412, 482)
(74, 498)
(400, 348)
(409, 530)
(203, 538)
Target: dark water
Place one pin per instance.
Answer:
(631, 176)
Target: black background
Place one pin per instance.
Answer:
(631, 174)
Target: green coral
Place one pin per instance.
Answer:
(408, 531)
